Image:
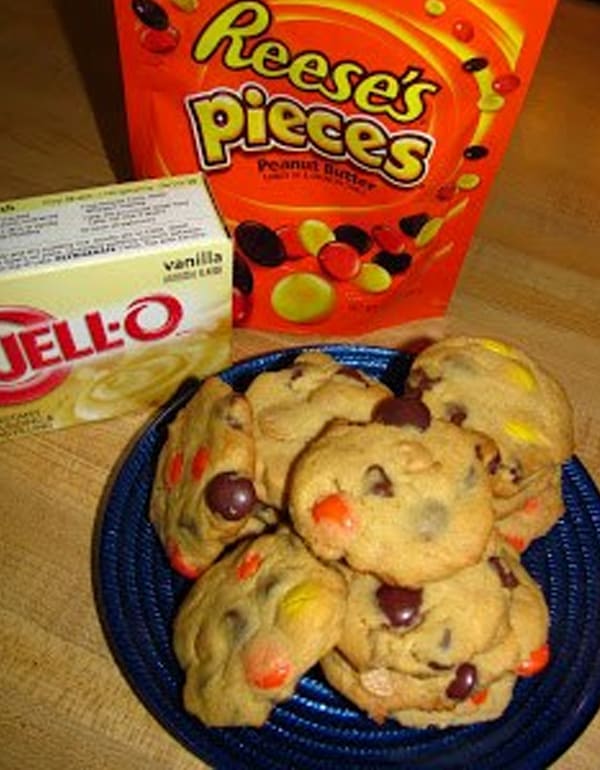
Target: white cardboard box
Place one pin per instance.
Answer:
(109, 298)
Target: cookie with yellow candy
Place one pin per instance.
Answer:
(206, 493)
(497, 389)
(252, 625)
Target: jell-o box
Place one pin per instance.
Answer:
(109, 298)
(350, 145)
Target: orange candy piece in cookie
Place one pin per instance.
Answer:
(334, 509)
(537, 661)
(199, 463)
(518, 543)
(174, 470)
(249, 565)
(179, 564)
(532, 505)
(267, 665)
(479, 698)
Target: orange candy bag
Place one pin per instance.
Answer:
(350, 146)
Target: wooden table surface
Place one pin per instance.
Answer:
(532, 276)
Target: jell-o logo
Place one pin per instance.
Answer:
(36, 349)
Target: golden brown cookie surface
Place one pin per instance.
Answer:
(252, 625)
(495, 388)
(291, 406)
(439, 651)
(205, 494)
(410, 503)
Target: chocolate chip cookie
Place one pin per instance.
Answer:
(489, 386)
(405, 497)
(532, 512)
(443, 646)
(252, 625)
(205, 494)
(292, 405)
(370, 691)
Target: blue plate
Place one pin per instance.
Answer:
(138, 595)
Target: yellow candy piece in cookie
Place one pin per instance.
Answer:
(522, 432)
(520, 375)
(497, 347)
(299, 600)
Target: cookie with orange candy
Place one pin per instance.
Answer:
(448, 652)
(206, 494)
(489, 386)
(380, 534)
(292, 405)
(252, 625)
(405, 496)
(535, 513)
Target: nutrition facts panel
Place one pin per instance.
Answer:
(105, 222)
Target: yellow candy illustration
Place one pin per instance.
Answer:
(435, 7)
(314, 234)
(373, 278)
(429, 231)
(303, 298)
(458, 209)
(468, 181)
(491, 102)
(186, 5)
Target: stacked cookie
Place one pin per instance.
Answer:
(224, 471)
(264, 608)
(445, 653)
(488, 386)
(327, 520)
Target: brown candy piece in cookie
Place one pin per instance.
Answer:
(252, 625)
(406, 502)
(402, 411)
(436, 627)
(205, 494)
